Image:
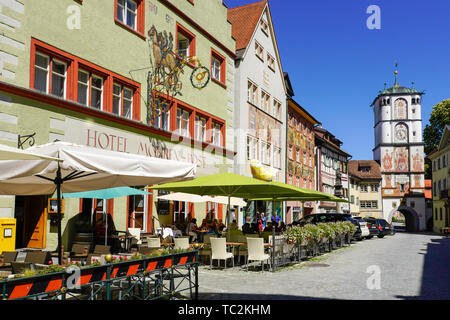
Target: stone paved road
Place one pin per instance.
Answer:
(411, 267)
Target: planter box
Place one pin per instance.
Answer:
(54, 282)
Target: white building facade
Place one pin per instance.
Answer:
(260, 95)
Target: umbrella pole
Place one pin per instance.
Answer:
(105, 216)
(58, 182)
(273, 235)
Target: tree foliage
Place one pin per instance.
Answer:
(440, 116)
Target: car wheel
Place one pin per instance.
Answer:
(380, 236)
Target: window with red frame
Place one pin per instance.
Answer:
(68, 77)
(50, 75)
(130, 13)
(122, 101)
(185, 42)
(216, 134)
(218, 72)
(90, 89)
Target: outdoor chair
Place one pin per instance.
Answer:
(219, 251)
(6, 258)
(38, 257)
(256, 251)
(136, 241)
(280, 241)
(153, 243)
(79, 251)
(19, 267)
(99, 250)
(181, 243)
(205, 251)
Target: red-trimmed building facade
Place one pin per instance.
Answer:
(82, 76)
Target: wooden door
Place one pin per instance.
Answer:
(35, 218)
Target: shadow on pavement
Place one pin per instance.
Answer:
(435, 275)
(253, 296)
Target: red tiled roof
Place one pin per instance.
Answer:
(374, 172)
(243, 22)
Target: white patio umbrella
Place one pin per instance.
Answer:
(83, 169)
(194, 198)
(10, 153)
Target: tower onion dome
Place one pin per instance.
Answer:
(396, 89)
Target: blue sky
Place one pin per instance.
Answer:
(337, 65)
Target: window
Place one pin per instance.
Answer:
(369, 204)
(218, 71)
(59, 78)
(44, 66)
(277, 157)
(83, 87)
(216, 136)
(96, 92)
(183, 122)
(185, 42)
(265, 101)
(265, 153)
(131, 15)
(200, 128)
(276, 111)
(68, 77)
(374, 187)
(127, 12)
(363, 187)
(122, 101)
(162, 115)
(259, 51)
(297, 154)
(264, 27)
(252, 93)
(290, 152)
(252, 148)
(271, 62)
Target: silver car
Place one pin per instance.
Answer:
(365, 232)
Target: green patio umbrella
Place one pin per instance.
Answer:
(106, 194)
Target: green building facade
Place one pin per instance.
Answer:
(78, 71)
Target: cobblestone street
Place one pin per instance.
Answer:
(408, 265)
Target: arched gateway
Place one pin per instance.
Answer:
(411, 218)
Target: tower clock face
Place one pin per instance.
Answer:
(401, 133)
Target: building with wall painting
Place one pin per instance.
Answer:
(82, 76)
(260, 96)
(331, 171)
(399, 150)
(300, 162)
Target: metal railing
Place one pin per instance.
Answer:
(173, 276)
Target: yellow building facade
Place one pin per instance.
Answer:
(440, 159)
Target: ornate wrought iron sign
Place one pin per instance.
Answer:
(163, 79)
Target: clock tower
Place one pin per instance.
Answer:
(399, 150)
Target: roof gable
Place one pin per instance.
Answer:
(244, 20)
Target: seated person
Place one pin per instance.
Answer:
(166, 234)
(192, 230)
(233, 225)
(246, 228)
(220, 225)
(213, 228)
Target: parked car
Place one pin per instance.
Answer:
(332, 217)
(372, 226)
(384, 228)
(365, 232)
